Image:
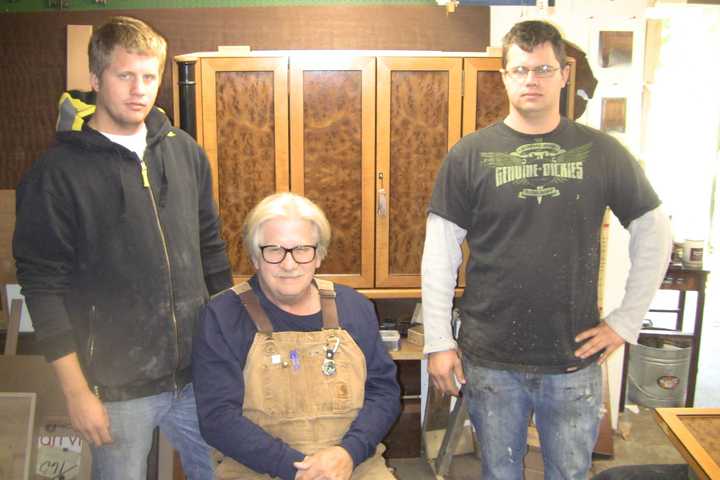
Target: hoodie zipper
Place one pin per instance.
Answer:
(146, 184)
(91, 347)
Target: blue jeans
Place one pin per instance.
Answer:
(568, 409)
(131, 427)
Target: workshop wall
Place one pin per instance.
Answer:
(32, 68)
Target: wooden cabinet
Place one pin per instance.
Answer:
(418, 120)
(304, 124)
(332, 156)
(363, 135)
(242, 122)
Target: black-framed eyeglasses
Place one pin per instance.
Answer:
(521, 72)
(300, 253)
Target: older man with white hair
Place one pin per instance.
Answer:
(292, 378)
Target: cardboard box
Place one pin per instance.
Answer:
(434, 439)
(60, 452)
(533, 459)
(532, 474)
(17, 417)
(56, 447)
(416, 335)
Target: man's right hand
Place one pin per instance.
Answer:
(87, 413)
(444, 368)
(89, 418)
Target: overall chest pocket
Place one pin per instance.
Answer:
(294, 383)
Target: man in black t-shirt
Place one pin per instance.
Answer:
(529, 194)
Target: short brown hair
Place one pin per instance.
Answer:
(132, 34)
(531, 33)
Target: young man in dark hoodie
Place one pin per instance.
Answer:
(117, 247)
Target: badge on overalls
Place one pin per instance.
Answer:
(328, 366)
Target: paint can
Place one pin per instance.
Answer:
(658, 377)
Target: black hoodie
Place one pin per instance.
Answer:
(113, 266)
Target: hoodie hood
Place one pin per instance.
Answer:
(75, 109)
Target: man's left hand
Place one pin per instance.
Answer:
(600, 338)
(332, 463)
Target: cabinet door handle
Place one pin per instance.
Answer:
(382, 203)
(382, 196)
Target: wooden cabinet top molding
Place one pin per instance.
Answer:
(230, 53)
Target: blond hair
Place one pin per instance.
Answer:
(132, 34)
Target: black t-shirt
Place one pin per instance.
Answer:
(532, 206)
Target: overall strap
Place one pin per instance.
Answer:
(327, 303)
(252, 305)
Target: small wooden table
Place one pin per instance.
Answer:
(695, 432)
(682, 280)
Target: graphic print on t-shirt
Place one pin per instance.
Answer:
(537, 169)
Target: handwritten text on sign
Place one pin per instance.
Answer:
(59, 452)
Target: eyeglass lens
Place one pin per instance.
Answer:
(542, 71)
(276, 253)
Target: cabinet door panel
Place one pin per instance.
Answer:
(244, 108)
(485, 100)
(332, 155)
(418, 121)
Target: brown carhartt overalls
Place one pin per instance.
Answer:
(288, 394)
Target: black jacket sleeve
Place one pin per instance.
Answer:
(43, 247)
(216, 266)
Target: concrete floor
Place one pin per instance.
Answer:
(645, 444)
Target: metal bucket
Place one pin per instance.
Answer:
(657, 376)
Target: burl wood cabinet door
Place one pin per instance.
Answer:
(418, 120)
(244, 108)
(485, 101)
(332, 156)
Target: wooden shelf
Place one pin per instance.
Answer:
(393, 293)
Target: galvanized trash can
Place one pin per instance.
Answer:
(658, 373)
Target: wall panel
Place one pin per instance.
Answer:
(32, 69)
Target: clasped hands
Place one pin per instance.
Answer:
(332, 463)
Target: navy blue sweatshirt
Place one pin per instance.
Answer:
(222, 341)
